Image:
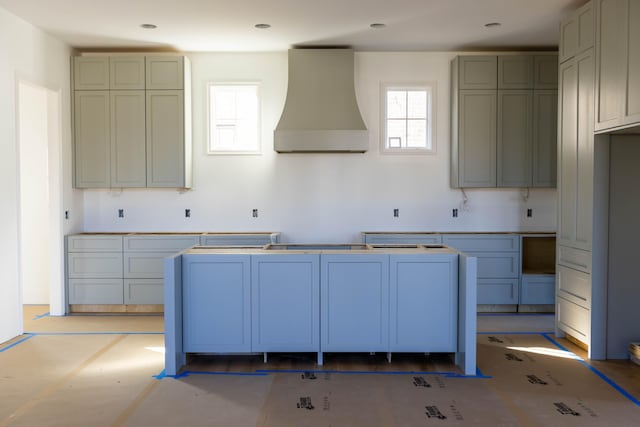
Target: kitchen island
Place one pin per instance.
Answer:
(320, 298)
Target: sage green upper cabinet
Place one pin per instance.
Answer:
(515, 72)
(165, 72)
(476, 139)
(504, 135)
(577, 32)
(92, 138)
(617, 64)
(514, 138)
(544, 146)
(477, 72)
(165, 139)
(91, 73)
(545, 72)
(146, 130)
(126, 73)
(128, 138)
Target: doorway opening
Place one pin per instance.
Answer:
(41, 254)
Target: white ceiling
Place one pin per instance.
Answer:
(217, 25)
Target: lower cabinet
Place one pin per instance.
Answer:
(538, 289)
(313, 303)
(423, 305)
(95, 291)
(285, 303)
(143, 291)
(354, 301)
(216, 303)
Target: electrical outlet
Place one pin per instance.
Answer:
(66, 214)
(396, 213)
(120, 213)
(187, 213)
(454, 213)
(529, 213)
(254, 213)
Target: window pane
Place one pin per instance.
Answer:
(417, 134)
(234, 118)
(396, 133)
(417, 104)
(396, 104)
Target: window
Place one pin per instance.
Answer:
(234, 118)
(407, 119)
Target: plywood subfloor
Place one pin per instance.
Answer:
(107, 371)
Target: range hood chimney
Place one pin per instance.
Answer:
(321, 113)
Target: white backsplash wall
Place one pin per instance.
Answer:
(320, 197)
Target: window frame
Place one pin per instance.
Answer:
(209, 142)
(430, 88)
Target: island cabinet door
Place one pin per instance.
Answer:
(285, 302)
(216, 303)
(423, 303)
(354, 302)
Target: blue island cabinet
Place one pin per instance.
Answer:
(216, 303)
(423, 303)
(285, 302)
(354, 301)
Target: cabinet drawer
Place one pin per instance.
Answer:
(418, 238)
(95, 291)
(574, 258)
(497, 291)
(574, 286)
(538, 289)
(160, 243)
(144, 265)
(143, 291)
(485, 243)
(497, 264)
(94, 265)
(94, 243)
(236, 239)
(573, 319)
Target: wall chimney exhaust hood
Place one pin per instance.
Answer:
(321, 112)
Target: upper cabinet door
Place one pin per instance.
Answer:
(477, 138)
(165, 72)
(478, 72)
(91, 139)
(128, 155)
(91, 72)
(165, 138)
(515, 72)
(611, 51)
(632, 107)
(514, 138)
(545, 131)
(127, 72)
(577, 32)
(545, 72)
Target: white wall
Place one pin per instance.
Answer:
(319, 197)
(29, 54)
(33, 149)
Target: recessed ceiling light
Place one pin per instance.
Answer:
(378, 25)
(492, 24)
(148, 26)
(262, 26)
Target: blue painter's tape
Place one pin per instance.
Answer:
(160, 376)
(40, 316)
(595, 371)
(231, 374)
(514, 333)
(20, 341)
(516, 314)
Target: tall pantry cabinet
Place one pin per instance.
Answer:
(582, 190)
(131, 121)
